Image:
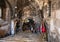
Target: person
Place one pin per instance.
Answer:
(12, 28)
(43, 30)
(31, 28)
(32, 25)
(24, 27)
(17, 25)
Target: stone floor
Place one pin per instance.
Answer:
(24, 37)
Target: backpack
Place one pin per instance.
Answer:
(43, 29)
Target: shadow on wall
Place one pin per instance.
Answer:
(52, 39)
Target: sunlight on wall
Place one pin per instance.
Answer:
(58, 14)
(0, 12)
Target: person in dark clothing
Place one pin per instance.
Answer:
(17, 26)
(32, 25)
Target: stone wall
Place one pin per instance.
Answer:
(54, 30)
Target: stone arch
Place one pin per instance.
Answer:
(10, 7)
(11, 12)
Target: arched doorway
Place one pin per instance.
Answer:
(31, 12)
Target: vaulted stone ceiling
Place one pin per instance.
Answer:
(34, 3)
(23, 3)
